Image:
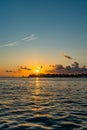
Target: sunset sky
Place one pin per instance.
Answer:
(39, 35)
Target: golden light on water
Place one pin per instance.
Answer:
(36, 97)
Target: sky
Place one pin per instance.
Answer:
(41, 33)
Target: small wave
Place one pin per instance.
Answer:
(53, 105)
(44, 120)
(69, 126)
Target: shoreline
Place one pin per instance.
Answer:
(50, 76)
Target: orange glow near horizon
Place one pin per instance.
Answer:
(26, 70)
(13, 71)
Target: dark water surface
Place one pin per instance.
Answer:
(43, 104)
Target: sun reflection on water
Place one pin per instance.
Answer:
(37, 95)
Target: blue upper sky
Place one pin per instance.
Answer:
(57, 26)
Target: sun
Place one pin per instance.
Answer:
(37, 71)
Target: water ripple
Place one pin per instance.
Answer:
(43, 104)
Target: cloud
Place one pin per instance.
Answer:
(10, 71)
(25, 68)
(9, 44)
(67, 57)
(72, 69)
(41, 67)
(75, 65)
(55, 69)
(13, 71)
(19, 70)
(30, 38)
(27, 39)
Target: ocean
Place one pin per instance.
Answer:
(43, 104)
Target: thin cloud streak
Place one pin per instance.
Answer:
(9, 44)
(31, 37)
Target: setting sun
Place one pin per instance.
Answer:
(37, 71)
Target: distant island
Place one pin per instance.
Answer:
(80, 75)
(58, 75)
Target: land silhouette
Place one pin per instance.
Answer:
(58, 75)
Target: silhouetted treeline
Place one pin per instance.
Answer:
(58, 75)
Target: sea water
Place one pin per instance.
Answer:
(43, 104)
